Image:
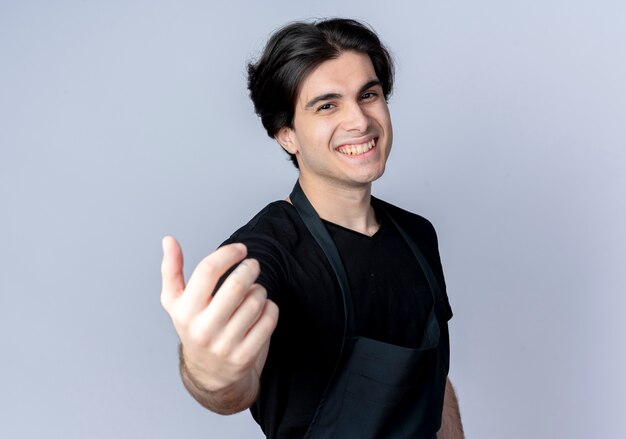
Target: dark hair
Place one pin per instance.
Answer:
(293, 51)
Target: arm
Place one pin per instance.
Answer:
(451, 426)
(225, 401)
(224, 336)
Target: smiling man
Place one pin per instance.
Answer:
(359, 348)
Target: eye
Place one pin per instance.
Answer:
(324, 107)
(368, 95)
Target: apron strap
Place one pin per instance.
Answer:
(313, 222)
(315, 226)
(435, 287)
(432, 332)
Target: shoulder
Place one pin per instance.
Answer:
(277, 238)
(276, 223)
(404, 215)
(417, 226)
(268, 237)
(422, 232)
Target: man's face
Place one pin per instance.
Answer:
(342, 129)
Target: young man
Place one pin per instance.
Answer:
(360, 349)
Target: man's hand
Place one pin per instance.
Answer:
(225, 337)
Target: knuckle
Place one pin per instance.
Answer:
(199, 335)
(260, 291)
(196, 338)
(236, 283)
(272, 311)
(241, 360)
(207, 266)
(255, 301)
(248, 268)
(269, 320)
(268, 324)
(253, 264)
(180, 320)
(220, 350)
(165, 269)
(165, 302)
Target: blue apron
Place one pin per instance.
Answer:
(380, 390)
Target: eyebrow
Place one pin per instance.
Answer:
(327, 96)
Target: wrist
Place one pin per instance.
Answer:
(228, 399)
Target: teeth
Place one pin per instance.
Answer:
(357, 149)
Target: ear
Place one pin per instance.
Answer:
(286, 137)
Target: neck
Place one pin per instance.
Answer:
(346, 206)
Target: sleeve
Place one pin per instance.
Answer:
(439, 270)
(267, 252)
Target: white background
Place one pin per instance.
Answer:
(121, 122)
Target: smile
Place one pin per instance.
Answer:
(357, 149)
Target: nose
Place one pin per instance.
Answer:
(356, 119)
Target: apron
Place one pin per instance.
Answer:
(379, 390)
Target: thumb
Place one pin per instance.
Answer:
(172, 277)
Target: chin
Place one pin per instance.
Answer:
(378, 173)
(370, 178)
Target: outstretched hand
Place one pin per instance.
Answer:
(225, 336)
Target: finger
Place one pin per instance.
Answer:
(261, 331)
(231, 294)
(206, 275)
(246, 314)
(172, 277)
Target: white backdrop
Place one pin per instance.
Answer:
(121, 122)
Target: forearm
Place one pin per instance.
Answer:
(451, 426)
(233, 399)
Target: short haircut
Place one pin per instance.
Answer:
(294, 51)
